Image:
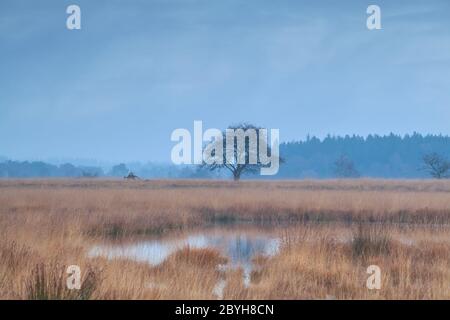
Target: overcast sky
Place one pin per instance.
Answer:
(137, 70)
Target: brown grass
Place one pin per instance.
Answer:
(331, 232)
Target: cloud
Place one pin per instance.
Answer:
(139, 69)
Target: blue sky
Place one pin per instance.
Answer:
(137, 70)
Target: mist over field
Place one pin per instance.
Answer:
(375, 156)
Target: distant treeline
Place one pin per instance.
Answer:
(390, 156)
(39, 169)
(35, 169)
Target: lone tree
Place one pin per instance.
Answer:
(344, 167)
(436, 165)
(234, 153)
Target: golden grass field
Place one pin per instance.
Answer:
(401, 226)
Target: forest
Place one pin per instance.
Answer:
(379, 156)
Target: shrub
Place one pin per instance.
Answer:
(48, 282)
(370, 240)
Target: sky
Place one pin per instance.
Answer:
(137, 70)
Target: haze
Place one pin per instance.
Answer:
(137, 70)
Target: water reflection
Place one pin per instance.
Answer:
(239, 247)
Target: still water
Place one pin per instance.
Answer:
(239, 246)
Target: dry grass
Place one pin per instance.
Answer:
(332, 269)
(48, 224)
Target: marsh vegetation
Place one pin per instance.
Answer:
(222, 239)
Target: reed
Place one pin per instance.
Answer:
(330, 231)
